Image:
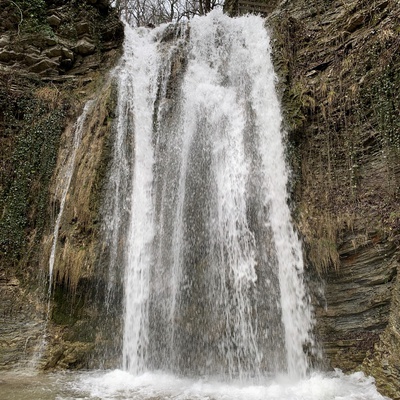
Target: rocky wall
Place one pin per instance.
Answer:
(339, 71)
(54, 56)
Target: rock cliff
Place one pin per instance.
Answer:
(339, 71)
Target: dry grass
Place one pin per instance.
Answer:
(341, 137)
(75, 254)
(321, 230)
(49, 94)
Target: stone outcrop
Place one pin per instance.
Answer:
(21, 328)
(57, 40)
(357, 300)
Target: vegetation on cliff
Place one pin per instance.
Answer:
(32, 122)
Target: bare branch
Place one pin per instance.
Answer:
(22, 16)
(155, 12)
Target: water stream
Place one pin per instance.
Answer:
(215, 300)
(64, 179)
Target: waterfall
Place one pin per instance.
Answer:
(196, 225)
(213, 268)
(64, 178)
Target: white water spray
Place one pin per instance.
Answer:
(140, 86)
(214, 274)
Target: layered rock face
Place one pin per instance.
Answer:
(57, 41)
(53, 56)
(339, 71)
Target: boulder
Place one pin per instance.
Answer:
(7, 56)
(4, 40)
(55, 51)
(83, 28)
(67, 53)
(54, 21)
(85, 47)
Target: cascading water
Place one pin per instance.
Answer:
(213, 270)
(140, 90)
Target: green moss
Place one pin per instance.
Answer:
(382, 98)
(32, 129)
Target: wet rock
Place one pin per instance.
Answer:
(30, 59)
(83, 28)
(31, 49)
(20, 323)
(50, 41)
(7, 56)
(67, 53)
(382, 361)
(355, 23)
(4, 40)
(55, 355)
(76, 354)
(358, 300)
(55, 51)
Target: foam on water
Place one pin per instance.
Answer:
(122, 385)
